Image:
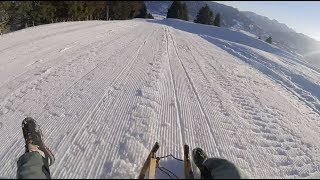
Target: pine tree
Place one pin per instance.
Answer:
(78, 10)
(20, 15)
(217, 20)
(91, 9)
(269, 40)
(204, 16)
(61, 10)
(4, 16)
(15, 15)
(142, 11)
(149, 16)
(173, 10)
(185, 12)
(121, 10)
(178, 10)
(47, 12)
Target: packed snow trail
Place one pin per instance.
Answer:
(105, 91)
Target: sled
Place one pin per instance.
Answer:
(152, 162)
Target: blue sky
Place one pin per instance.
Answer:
(302, 16)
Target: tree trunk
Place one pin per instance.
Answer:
(107, 13)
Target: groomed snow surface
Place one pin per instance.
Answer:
(105, 91)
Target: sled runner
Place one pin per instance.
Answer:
(152, 162)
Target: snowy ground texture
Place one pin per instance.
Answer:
(105, 91)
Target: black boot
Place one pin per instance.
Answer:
(33, 138)
(198, 157)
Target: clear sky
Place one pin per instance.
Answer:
(302, 16)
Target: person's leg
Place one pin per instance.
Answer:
(32, 165)
(37, 158)
(217, 168)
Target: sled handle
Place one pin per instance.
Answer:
(187, 164)
(147, 162)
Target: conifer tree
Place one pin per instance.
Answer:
(217, 20)
(185, 12)
(204, 16)
(178, 10)
(142, 11)
(269, 40)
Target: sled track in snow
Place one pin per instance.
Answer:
(194, 91)
(98, 104)
(18, 135)
(299, 86)
(176, 102)
(22, 91)
(257, 117)
(265, 124)
(47, 64)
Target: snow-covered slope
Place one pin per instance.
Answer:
(231, 17)
(249, 22)
(105, 91)
(287, 38)
(266, 24)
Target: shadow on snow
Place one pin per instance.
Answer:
(233, 42)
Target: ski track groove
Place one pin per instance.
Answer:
(169, 122)
(19, 138)
(49, 64)
(37, 52)
(128, 156)
(176, 102)
(58, 68)
(37, 84)
(196, 94)
(71, 30)
(226, 115)
(128, 136)
(132, 132)
(127, 68)
(275, 71)
(240, 99)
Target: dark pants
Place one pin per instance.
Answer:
(216, 168)
(32, 165)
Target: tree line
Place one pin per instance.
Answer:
(179, 10)
(15, 15)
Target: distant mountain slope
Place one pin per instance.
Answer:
(283, 36)
(232, 18)
(158, 7)
(287, 38)
(267, 24)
